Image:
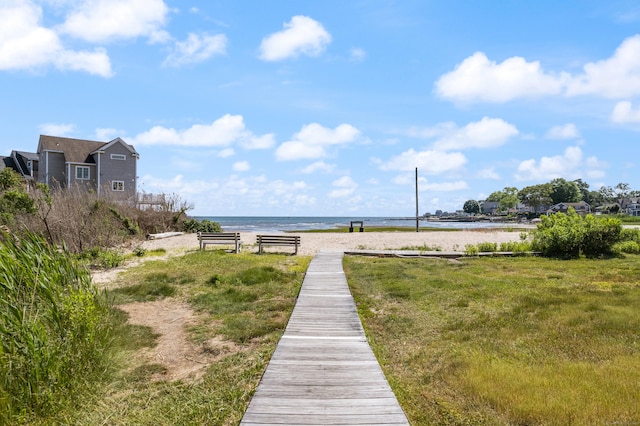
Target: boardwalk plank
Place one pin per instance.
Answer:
(323, 371)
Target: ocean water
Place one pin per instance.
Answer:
(303, 223)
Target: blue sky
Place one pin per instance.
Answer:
(325, 108)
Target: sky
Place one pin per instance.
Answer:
(325, 107)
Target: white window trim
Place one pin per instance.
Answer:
(118, 157)
(117, 183)
(78, 168)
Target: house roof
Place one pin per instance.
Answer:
(6, 162)
(77, 150)
(33, 156)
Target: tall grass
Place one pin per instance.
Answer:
(53, 328)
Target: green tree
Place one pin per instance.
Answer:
(622, 191)
(471, 206)
(564, 191)
(506, 199)
(607, 193)
(14, 199)
(536, 195)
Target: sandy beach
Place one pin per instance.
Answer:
(311, 243)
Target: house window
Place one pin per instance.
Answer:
(82, 173)
(117, 185)
(118, 157)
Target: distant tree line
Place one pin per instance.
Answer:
(556, 191)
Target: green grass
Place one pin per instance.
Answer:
(242, 299)
(521, 340)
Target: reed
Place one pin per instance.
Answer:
(54, 328)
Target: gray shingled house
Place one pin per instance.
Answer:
(109, 168)
(25, 163)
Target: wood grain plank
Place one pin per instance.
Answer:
(323, 371)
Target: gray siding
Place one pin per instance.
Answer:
(56, 168)
(91, 183)
(118, 170)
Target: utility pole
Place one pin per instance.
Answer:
(417, 211)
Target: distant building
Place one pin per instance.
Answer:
(24, 163)
(582, 208)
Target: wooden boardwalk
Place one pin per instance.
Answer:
(323, 371)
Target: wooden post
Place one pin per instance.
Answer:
(417, 211)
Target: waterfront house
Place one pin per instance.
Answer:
(109, 168)
(630, 206)
(582, 208)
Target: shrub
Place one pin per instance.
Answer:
(54, 328)
(487, 247)
(600, 234)
(516, 246)
(631, 247)
(569, 235)
(101, 258)
(205, 225)
(471, 250)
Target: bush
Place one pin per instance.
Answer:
(600, 234)
(205, 225)
(487, 247)
(569, 235)
(630, 247)
(54, 328)
(516, 246)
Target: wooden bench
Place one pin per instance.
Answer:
(225, 238)
(277, 240)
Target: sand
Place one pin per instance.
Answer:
(311, 243)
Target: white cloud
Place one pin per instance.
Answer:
(313, 140)
(196, 48)
(565, 131)
(357, 54)
(486, 133)
(226, 153)
(302, 35)
(104, 20)
(259, 142)
(489, 173)
(445, 186)
(26, 44)
(57, 129)
(429, 162)
(345, 187)
(615, 77)
(624, 112)
(225, 131)
(216, 195)
(595, 168)
(479, 79)
(569, 165)
(107, 133)
(241, 166)
(319, 166)
(96, 62)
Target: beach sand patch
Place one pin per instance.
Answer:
(181, 358)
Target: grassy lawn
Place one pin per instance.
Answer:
(242, 300)
(505, 340)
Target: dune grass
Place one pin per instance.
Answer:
(505, 341)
